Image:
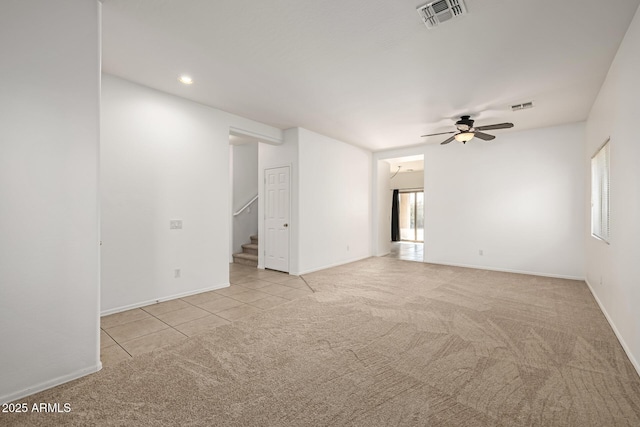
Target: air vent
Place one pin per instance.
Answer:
(522, 106)
(437, 12)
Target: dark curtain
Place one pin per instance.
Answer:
(395, 217)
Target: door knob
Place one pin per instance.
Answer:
(286, 225)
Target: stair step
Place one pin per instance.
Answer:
(250, 248)
(254, 239)
(245, 259)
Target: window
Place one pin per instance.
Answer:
(600, 193)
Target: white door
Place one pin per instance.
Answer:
(276, 234)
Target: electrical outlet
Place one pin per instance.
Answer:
(176, 273)
(347, 248)
(175, 224)
(481, 252)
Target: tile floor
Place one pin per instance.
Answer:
(130, 333)
(408, 251)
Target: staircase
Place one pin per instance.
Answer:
(249, 254)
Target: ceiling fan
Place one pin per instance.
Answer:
(466, 131)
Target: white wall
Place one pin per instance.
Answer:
(334, 202)
(613, 271)
(245, 188)
(163, 158)
(382, 206)
(274, 156)
(519, 199)
(407, 180)
(49, 252)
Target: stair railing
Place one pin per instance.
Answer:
(246, 206)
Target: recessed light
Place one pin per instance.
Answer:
(185, 79)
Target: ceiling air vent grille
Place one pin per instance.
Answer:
(523, 106)
(437, 12)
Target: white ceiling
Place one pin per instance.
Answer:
(368, 72)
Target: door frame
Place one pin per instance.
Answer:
(381, 200)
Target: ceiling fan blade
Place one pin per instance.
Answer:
(448, 140)
(496, 126)
(484, 136)
(434, 134)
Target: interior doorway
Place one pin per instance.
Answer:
(243, 219)
(400, 219)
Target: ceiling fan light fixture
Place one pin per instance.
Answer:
(185, 79)
(464, 136)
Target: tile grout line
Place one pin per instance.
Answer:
(165, 324)
(145, 335)
(193, 305)
(119, 345)
(308, 285)
(204, 309)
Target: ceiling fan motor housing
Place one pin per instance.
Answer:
(465, 123)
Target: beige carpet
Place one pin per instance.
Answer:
(382, 343)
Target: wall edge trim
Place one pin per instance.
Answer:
(261, 136)
(161, 299)
(45, 385)
(336, 264)
(623, 343)
(508, 270)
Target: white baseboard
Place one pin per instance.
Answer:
(161, 299)
(624, 345)
(311, 270)
(507, 270)
(49, 384)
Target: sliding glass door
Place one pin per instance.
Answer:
(411, 216)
